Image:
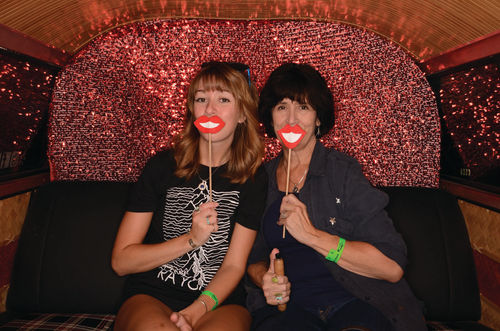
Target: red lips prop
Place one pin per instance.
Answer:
(291, 135)
(211, 124)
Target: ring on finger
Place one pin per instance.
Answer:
(283, 215)
(274, 279)
(208, 221)
(279, 298)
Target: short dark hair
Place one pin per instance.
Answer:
(301, 83)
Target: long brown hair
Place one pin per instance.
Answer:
(247, 148)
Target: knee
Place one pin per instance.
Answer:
(140, 313)
(150, 325)
(160, 325)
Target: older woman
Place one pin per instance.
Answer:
(343, 258)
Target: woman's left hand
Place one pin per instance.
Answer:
(293, 214)
(181, 321)
(187, 318)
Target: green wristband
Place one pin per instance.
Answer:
(212, 296)
(334, 254)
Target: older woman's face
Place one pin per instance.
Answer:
(296, 113)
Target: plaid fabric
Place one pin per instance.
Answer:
(60, 322)
(93, 322)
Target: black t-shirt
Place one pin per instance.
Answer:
(173, 200)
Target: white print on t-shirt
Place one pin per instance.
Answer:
(196, 269)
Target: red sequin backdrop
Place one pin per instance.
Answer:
(122, 98)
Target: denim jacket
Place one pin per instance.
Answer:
(341, 201)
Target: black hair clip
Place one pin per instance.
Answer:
(243, 68)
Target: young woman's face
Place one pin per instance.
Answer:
(222, 104)
(296, 113)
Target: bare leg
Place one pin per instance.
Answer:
(143, 312)
(229, 317)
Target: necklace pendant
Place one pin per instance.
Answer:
(203, 185)
(295, 189)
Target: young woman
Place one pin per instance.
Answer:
(343, 258)
(183, 243)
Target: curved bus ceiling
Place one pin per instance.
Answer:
(426, 28)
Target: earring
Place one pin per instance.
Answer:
(318, 133)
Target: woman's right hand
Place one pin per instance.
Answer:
(275, 287)
(204, 222)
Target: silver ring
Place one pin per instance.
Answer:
(284, 215)
(279, 298)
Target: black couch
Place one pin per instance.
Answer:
(62, 272)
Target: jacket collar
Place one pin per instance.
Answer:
(317, 167)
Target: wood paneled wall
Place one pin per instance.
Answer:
(484, 230)
(12, 214)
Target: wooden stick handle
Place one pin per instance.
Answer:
(287, 182)
(279, 269)
(288, 171)
(210, 167)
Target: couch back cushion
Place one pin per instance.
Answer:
(63, 260)
(441, 268)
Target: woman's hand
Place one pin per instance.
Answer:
(187, 318)
(204, 223)
(293, 214)
(181, 321)
(276, 288)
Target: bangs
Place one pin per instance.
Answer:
(294, 90)
(219, 77)
(213, 80)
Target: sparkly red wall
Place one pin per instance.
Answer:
(122, 97)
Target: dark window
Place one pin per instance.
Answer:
(26, 85)
(469, 101)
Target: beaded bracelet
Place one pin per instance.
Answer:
(212, 296)
(334, 254)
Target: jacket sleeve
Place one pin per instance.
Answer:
(364, 207)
